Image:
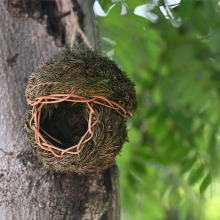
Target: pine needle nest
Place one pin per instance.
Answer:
(80, 104)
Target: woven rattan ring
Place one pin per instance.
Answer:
(80, 104)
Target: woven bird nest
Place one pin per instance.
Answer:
(80, 103)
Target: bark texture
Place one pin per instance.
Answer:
(31, 31)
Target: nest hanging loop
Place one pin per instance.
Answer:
(80, 102)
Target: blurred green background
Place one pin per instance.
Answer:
(170, 168)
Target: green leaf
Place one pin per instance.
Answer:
(205, 183)
(185, 128)
(188, 164)
(212, 144)
(196, 175)
(210, 7)
(131, 180)
(186, 7)
(138, 166)
(215, 43)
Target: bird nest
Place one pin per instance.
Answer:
(80, 103)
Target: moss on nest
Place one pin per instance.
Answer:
(81, 69)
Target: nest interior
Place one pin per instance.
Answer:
(66, 123)
(89, 74)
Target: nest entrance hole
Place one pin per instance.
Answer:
(66, 123)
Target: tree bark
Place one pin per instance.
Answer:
(31, 31)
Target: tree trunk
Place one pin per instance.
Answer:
(31, 31)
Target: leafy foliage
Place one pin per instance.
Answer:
(174, 61)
